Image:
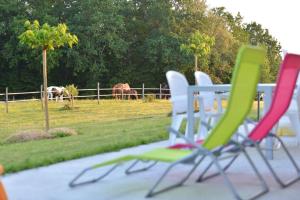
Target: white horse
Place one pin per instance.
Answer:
(57, 93)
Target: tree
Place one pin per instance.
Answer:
(71, 91)
(199, 45)
(134, 41)
(46, 38)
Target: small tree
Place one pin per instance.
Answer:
(199, 45)
(71, 91)
(46, 38)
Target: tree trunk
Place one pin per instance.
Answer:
(196, 63)
(45, 89)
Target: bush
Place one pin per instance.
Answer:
(62, 132)
(30, 135)
(66, 107)
(149, 98)
(71, 91)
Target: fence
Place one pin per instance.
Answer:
(97, 93)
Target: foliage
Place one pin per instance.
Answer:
(134, 41)
(71, 91)
(150, 98)
(260, 36)
(199, 45)
(47, 37)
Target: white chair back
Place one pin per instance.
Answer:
(178, 87)
(202, 79)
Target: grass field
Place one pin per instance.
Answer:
(108, 126)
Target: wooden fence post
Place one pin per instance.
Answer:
(159, 91)
(42, 102)
(98, 92)
(143, 91)
(6, 99)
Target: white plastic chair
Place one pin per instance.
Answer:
(178, 87)
(207, 101)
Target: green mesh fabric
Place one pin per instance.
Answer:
(244, 82)
(160, 154)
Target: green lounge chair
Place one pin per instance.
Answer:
(244, 82)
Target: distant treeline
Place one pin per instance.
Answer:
(133, 41)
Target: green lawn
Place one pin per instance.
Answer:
(108, 126)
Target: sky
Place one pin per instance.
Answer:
(281, 18)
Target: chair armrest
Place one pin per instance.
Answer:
(178, 98)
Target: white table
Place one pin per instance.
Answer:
(266, 88)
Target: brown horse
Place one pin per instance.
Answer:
(133, 94)
(120, 89)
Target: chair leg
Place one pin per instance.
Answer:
(202, 178)
(259, 176)
(73, 183)
(202, 130)
(245, 124)
(225, 177)
(295, 121)
(275, 175)
(176, 122)
(152, 191)
(129, 171)
(231, 186)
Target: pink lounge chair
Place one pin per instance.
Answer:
(282, 97)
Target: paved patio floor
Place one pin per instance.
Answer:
(51, 182)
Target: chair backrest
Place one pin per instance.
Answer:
(203, 79)
(244, 83)
(282, 96)
(178, 88)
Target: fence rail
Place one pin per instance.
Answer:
(97, 93)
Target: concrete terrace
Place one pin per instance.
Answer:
(51, 182)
